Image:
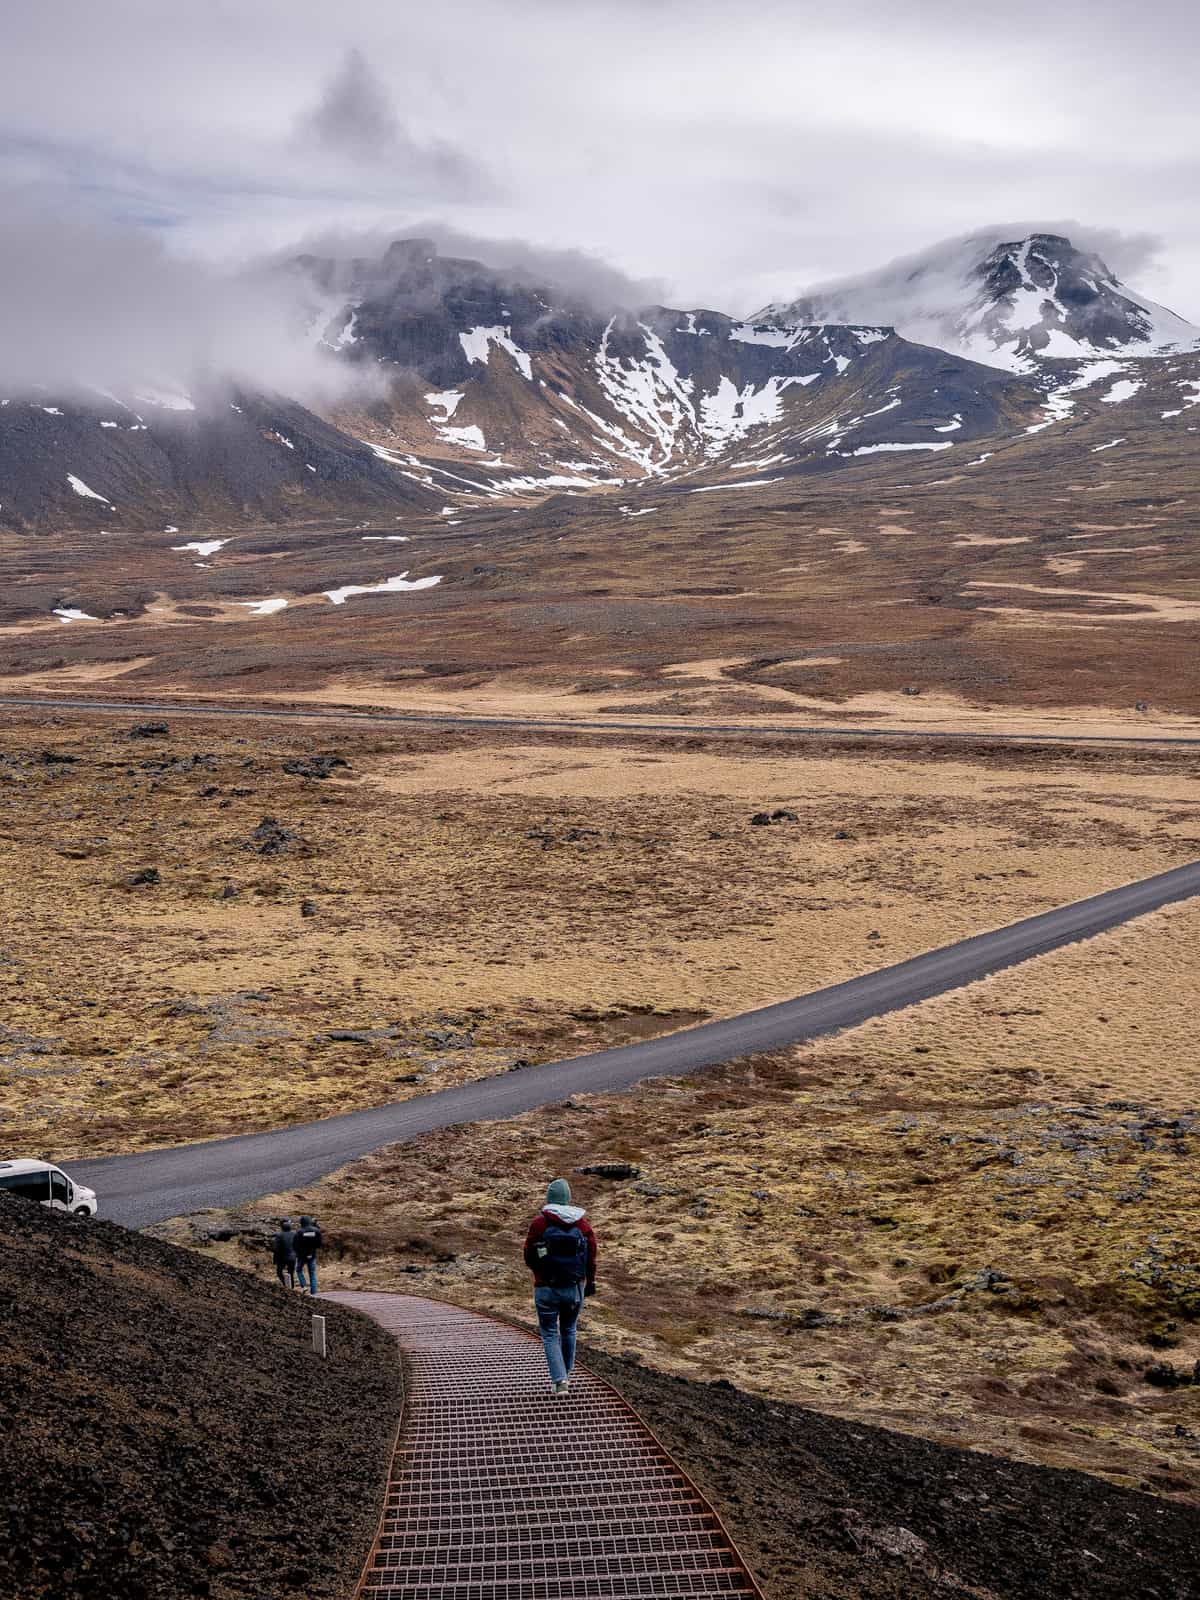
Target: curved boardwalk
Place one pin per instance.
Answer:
(500, 1491)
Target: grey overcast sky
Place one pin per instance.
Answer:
(734, 152)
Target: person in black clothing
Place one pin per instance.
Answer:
(308, 1242)
(283, 1252)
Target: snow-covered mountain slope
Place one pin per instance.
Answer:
(486, 387)
(1008, 303)
(543, 392)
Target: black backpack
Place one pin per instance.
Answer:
(562, 1254)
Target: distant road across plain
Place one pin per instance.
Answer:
(683, 727)
(156, 1184)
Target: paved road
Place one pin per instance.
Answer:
(146, 1188)
(162, 708)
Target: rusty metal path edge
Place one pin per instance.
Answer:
(360, 1591)
(390, 1469)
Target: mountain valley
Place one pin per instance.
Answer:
(563, 510)
(668, 664)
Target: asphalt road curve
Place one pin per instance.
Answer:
(145, 1188)
(426, 719)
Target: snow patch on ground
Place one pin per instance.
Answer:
(81, 488)
(1123, 389)
(730, 413)
(202, 547)
(786, 338)
(748, 483)
(1192, 399)
(553, 481)
(1060, 346)
(391, 456)
(263, 608)
(477, 346)
(1060, 401)
(621, 445)
(661, 408)
(471, 484)
(448, 400)
(470, 438)
(876, 449)
(388, 586)
(1111, 445)
(70, 614)
(650, 394)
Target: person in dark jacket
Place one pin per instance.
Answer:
(560, 1251)
(308, 1242)
(283, 1253)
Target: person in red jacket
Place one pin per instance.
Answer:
(560, 1251)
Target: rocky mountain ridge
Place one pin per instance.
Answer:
(472, 385)
(1007, 303)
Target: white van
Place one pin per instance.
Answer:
(41, 1180)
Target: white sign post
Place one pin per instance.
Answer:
(319, 1335)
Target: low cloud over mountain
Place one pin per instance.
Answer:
(1006, 295)
(88, 304)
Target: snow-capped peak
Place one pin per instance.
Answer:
(1005, 303)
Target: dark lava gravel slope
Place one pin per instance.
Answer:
(166, 1431)
(826, 1509)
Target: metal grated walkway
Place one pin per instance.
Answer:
(500, 1491)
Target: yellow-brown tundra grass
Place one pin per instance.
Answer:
(482, 898)
(974, 1220)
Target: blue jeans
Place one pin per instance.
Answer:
(311, 1265)
(557, 1313)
